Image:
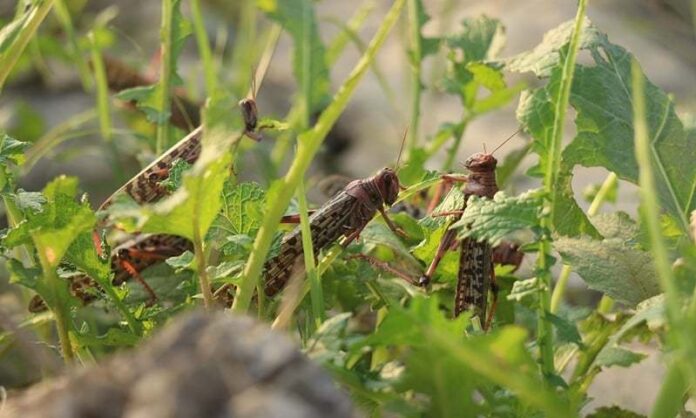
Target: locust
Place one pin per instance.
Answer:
(127, 261)
(476, 275)
(344, 215)
(133, 256)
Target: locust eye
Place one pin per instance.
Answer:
(392, 189)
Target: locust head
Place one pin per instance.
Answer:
(481, 162)
(388, 184)
(249, 113)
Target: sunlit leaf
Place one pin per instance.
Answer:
(493, 219)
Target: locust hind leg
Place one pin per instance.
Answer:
(448, 239)
(133, 272)
(386, 267)
(494, 303)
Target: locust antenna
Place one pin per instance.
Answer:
(401, 150)
(504, 142)
(484, 148)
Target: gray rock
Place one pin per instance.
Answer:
(201, 365)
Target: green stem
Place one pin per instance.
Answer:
(605, 305)
(458, 136)
(165, 75)
(202, 273)
(59, 312)
(204, 48)
(681, 326)
(309, 143)
(245, 48)
(414, 31)
(317, 295)
(669, 398)
(63, 15)
(37, 13)
(597, 202)
(544, 334)
(102, 89)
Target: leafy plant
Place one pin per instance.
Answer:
(395, 346)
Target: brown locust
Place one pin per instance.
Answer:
(127, 261)
(476, 275)
(344, 215)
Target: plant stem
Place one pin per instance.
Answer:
(59, 312)
(681, 326)
(165, 75)
(65, 19)
(562, 282)
(102, 90)
(458, 135)
(37, 13)
(310, 263)
(414, 31)
(201, 270)
(544, 334)
(209, 70)
(309, 143)
(245, 51)
(669, 399)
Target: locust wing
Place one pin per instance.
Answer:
(327, 224)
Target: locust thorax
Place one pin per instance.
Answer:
(249, 113)
(481, 179)
(387, 183)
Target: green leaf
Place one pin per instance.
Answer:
(536, 112)
(59, 222)
(309, 57)
(523, 289)
(493, 219)
(114, 337)
(547, 56)
(175, 177)
(25, 276)
(454, 201)
(11, 150)
(225, 270)
(480, 39)
(377, 236)
(616, 356)
(425, 251)
(242, 210)
(612, 267)
(147, 99)
(29, 201)
(448, 368)
(566, 331)
(650, 312)
(617, 225)
(193, 207)
(184, 261)
(605, 129)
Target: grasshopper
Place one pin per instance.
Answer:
(131, 257)
(476, 275)
(127, 261)
(144, 186)
(344, 215)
